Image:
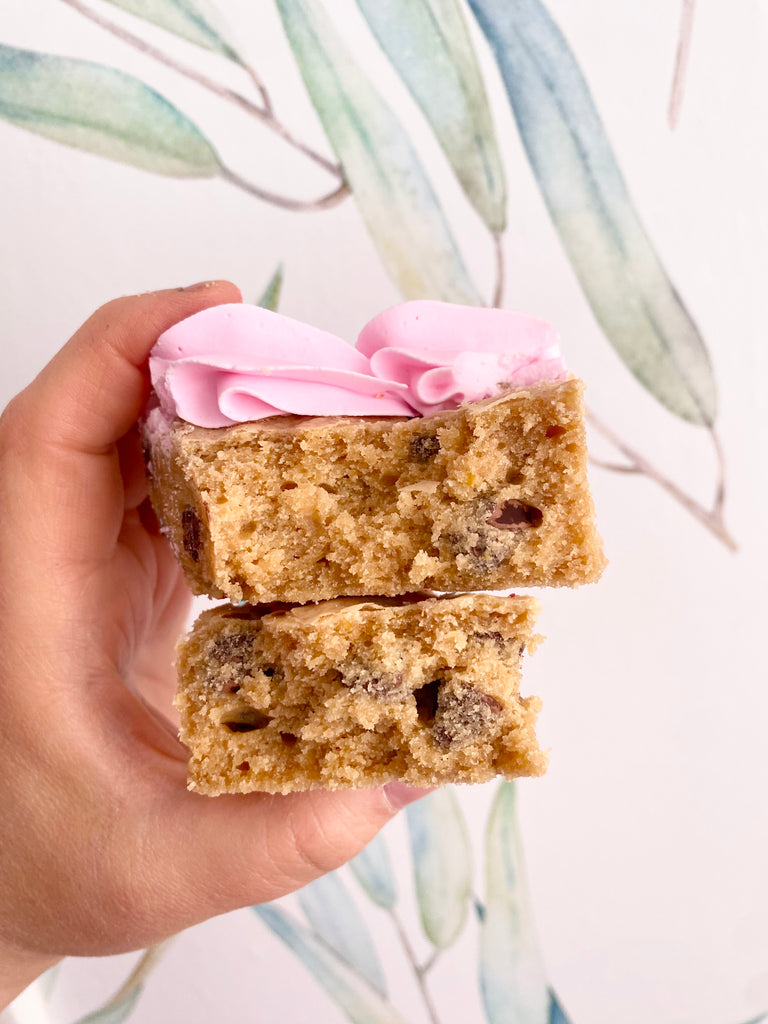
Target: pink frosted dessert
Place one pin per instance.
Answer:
(444, 450)
(238, 363)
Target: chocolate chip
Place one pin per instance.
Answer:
(515, 515)
(390, 687)
(493, 635)
(289, 739)
(463, 716)
(424, 447)
(191, 533)
(555, 430)
(234, 647)
(247, 720)
(427, 701)
(244, 766)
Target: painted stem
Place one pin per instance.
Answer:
(148, 962)
(636, 463)
(262, 113)
(681, 62)
(285, 202)
(419, 970)
(498, 291)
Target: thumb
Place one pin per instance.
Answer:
(92, 391)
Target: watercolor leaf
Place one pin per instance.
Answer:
(512, 979)
(392, 191)
(372, 868)
(194, 20)
(270, 297)
(115, 1011)
(442, 865)
(361, 1003)
(621, 274)
(336, 920)
(103, 111)
(428, 43)
(557, 1014)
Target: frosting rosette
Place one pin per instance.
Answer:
(446, 354)
(234, 363)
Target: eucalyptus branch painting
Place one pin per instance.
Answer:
(113, 114)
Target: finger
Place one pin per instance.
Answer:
(252, 849)
(60, 434)
(92, 391)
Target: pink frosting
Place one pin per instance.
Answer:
(448, 354)
(234, 363)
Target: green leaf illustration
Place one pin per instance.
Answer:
(512, 979)
(103, 111)
(442, 865)
(373, 870)
(270, 297)
(428, 43)
(337, 921)
(194, 20)
(557, 1014)
(390, 186)
(357, 999)
(622, 276)
(116, 1011)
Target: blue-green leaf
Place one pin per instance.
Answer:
(428, 43)
(390, 186)
(115, 1011)
(196, 21)
(442, 865)
(557, 1014)
(103, 111)
(337, 921)
(372, 868)
(270, 297)
(357, 999)
(512, 979)
(622, 276)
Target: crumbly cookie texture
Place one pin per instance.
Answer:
(354, 693)
(490, 496)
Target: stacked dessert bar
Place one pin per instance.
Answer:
(348, 502)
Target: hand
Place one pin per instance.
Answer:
(102, 848)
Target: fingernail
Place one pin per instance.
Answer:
(197, 287)
(400, 795)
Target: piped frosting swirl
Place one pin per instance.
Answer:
(234, 363)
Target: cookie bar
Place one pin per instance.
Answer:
(352, 693)
(488, 496)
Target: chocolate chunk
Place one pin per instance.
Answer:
(427, 697)
(234, 647)
(493, 635)
(555, 430)
(485, 553)
(244, 766)
(289, 739)
(424, 447)
(247, 720)
(463, 716)
(390, 687)
(515, 515)
(191, 533)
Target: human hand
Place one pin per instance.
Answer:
(102, 848)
